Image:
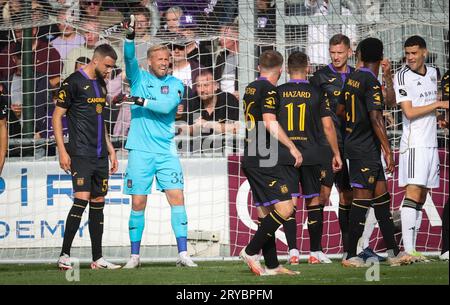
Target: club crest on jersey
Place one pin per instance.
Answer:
(402, 92)
(99, 108)
(80, 181)
(323, 174)
(129, 183)
(164, 89)
(371, 179)
(284, 189)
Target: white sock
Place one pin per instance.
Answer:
(371, 222)
(408, 216)
(418, 224)
(183, 254)
(293, 252)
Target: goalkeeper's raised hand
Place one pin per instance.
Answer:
(128, 25)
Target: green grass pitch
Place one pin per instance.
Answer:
(227, 273)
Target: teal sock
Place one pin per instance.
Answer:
(136, 227)
(179, 226)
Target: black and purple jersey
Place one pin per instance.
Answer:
(85, 100)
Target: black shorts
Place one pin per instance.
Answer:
(269, 185)
(364, 174)
(341, 179)
(90, 175)
(309, 178)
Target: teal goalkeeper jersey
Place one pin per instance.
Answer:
(152, 127)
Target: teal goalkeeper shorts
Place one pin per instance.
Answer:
(144, 166)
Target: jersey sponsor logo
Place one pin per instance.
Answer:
(332, 80)
(272, 183)
(428, 93)
(419, 84)
(312, 222)
(284, 189)
(366, 169)
(95, 100)
(337, 93)
(271, 92)
(164, 89)
(402, 92)
(86, 87)
(376, 87)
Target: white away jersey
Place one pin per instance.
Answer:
(421, 90)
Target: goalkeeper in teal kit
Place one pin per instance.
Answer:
(155, 96)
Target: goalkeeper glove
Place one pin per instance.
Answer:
(128, 25)
(130, 100)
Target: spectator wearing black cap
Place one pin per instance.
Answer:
(184, 68)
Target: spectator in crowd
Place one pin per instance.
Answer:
(318, 36)
(12, 88)
(144, 38)
(171, 25)
(213, 111)
(154, 14)
(184, 68)
(68, 39)
(46, 58)
(265, 25)
(225, 71)
(92, 40)
(106, 17)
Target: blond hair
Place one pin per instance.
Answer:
(157, 47)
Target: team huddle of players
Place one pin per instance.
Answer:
(311, 126)
(297, 134)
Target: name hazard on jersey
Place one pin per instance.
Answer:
(302, 94)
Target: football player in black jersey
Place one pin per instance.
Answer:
(361, 106)
(82, 98)
(305, 116)
(263, 142)
(331, 80)
(3, 128)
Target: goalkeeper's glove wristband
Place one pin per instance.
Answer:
(128, 25)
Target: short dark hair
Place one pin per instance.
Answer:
(270, 59)
(105, 50)
(297, 61)
(82, 60)
(415, 40)
(338, 39)
(371, 50)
